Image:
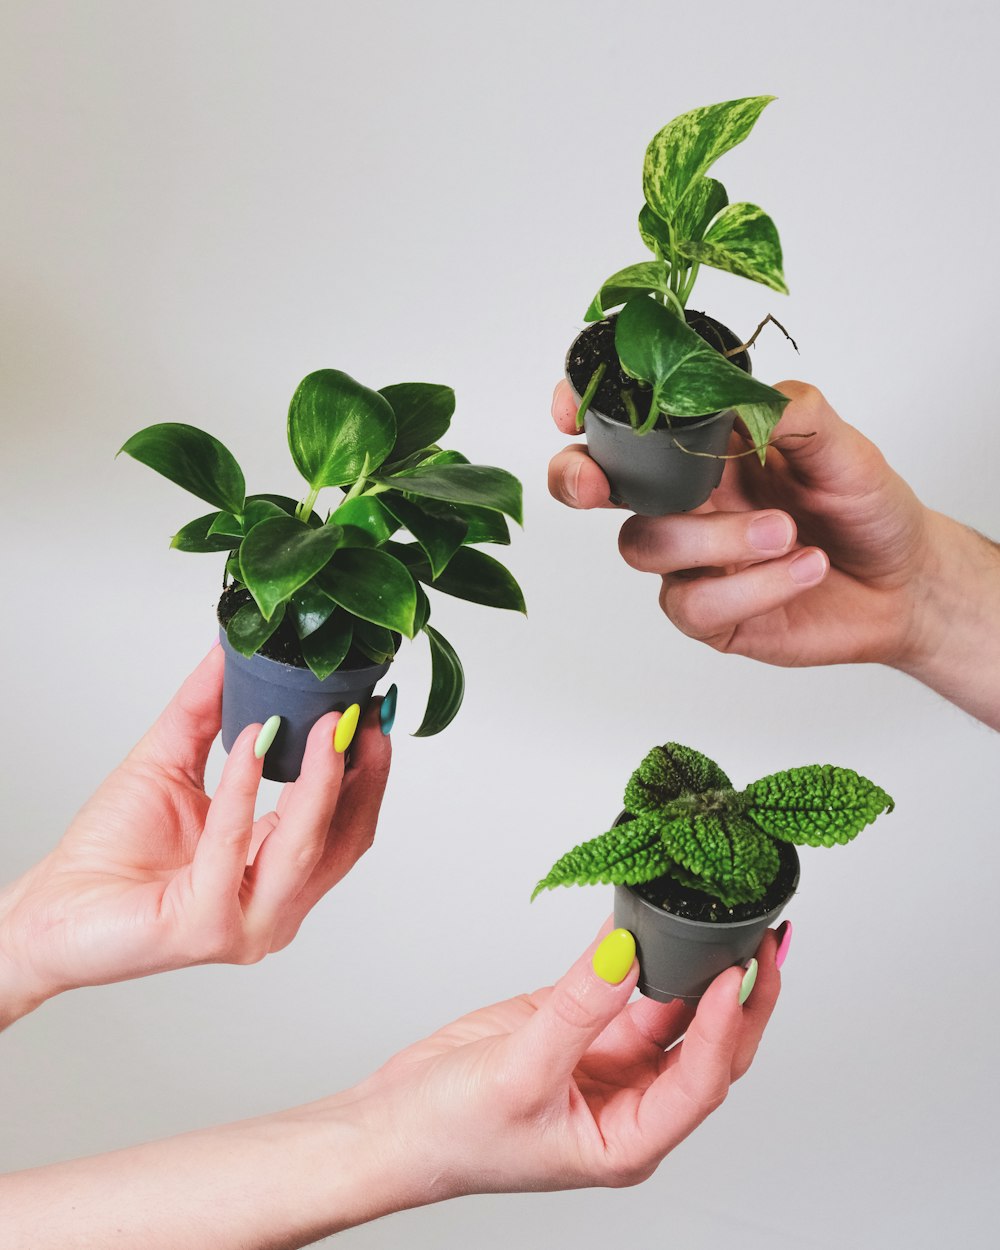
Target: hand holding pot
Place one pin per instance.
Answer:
(154, 875)
(822, 556)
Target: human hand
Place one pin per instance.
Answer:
(154, 875)
(819, 557)
(572, 1085)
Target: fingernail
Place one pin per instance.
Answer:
(807, 568)
(770, 533)
(571, 481)
(613, 958)
(268, 732)
(749, 981)
(387, 712)
(784, 936)
(343, 735)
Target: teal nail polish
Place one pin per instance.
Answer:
(268, 733)
(387, 712)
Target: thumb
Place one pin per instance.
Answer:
(581, 1006)
(183, 734)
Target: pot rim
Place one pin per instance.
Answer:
(293, 675)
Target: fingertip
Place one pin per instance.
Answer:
(809, 567)
(564, 407)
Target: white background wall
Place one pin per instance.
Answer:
(203, 202)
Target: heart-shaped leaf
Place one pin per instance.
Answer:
(705, 199)
(326, 648)
(447, 685)
(372, 585)
(308, 609)
(423, 412)
(280, 555)
(194, 460)
(364, 521)
(477, 484)
(439, 536)
(641, 279)
(687, 146)
(336, 427)
(247, 630)
(197, 535)
(742, 240)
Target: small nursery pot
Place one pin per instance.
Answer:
(256, 688)
(680, 958)
(656, 474)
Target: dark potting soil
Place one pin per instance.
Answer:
(682, 900)
(596, 346)
(283, 645)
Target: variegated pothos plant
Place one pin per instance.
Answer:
(687, 221)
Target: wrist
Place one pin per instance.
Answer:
(20, 991)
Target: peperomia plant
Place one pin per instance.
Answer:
(686, 222)
(341, 589)
(686, 820)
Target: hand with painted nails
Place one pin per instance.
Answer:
(567, 1087)
(823, 556)
(153, 874)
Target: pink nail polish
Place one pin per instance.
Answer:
(784, 942)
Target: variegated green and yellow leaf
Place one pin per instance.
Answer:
(640, 279)
(742, 240)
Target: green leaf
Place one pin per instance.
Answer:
(641, 279)
(477, 577)
(280, 555)
(309, 609)
(423, 413)
(422, 614)
(233, 567)
(336, 426)
(377, 642)
(226, 526)
(285, 504)
(689, 378)
(760, 420)
(628, 854)
(723, 853)
(259, 509)
(705, 199)
(197, 536)
(194, 460)
(477, 484)
(485, 526)
(364, 521)
(247, 630)
(326, 648)
(447, 686)
(742, 240)
(666, 773)
(440, 536)
(687, 146)
(373, 585)
(818, 805)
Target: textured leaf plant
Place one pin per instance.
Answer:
(686, 222)
(345, 585)
(686, 820)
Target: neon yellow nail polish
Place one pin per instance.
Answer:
(268, 732)
(613, 958)
(749, 981)
(343, 735)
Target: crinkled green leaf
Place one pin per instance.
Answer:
(640, 279)
(373, 585)
(423, 414)
(197, 535)
(194, 460)
(247, 630)
(364, 521)
(325, 649)
(667, 772)
(742, 240)
(689, 378)
(689, 145)
(439, 535)
(817, 805)
(337, 428)
(477, 484)
(627, 854)
(447, 685)
(281, 554)
(724, 853)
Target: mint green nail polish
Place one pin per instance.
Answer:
(387, 712)
(268, 733)
(748, 982)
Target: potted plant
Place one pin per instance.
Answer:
(700, 869)
(659, 386)
(313, 607)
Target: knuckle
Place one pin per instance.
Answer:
(568, 1005)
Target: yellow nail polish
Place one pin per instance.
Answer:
(613, 958)
(343, 735)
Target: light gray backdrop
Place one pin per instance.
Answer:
(205, 201)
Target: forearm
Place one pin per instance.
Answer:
(273, 1183)
(955, 644)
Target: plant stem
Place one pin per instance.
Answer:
(304, 509)
(689, 285)
(588, 394)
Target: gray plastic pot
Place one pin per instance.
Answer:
(680, 958)
(656, 474)
(256, 688)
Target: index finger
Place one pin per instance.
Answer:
(564, 408)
